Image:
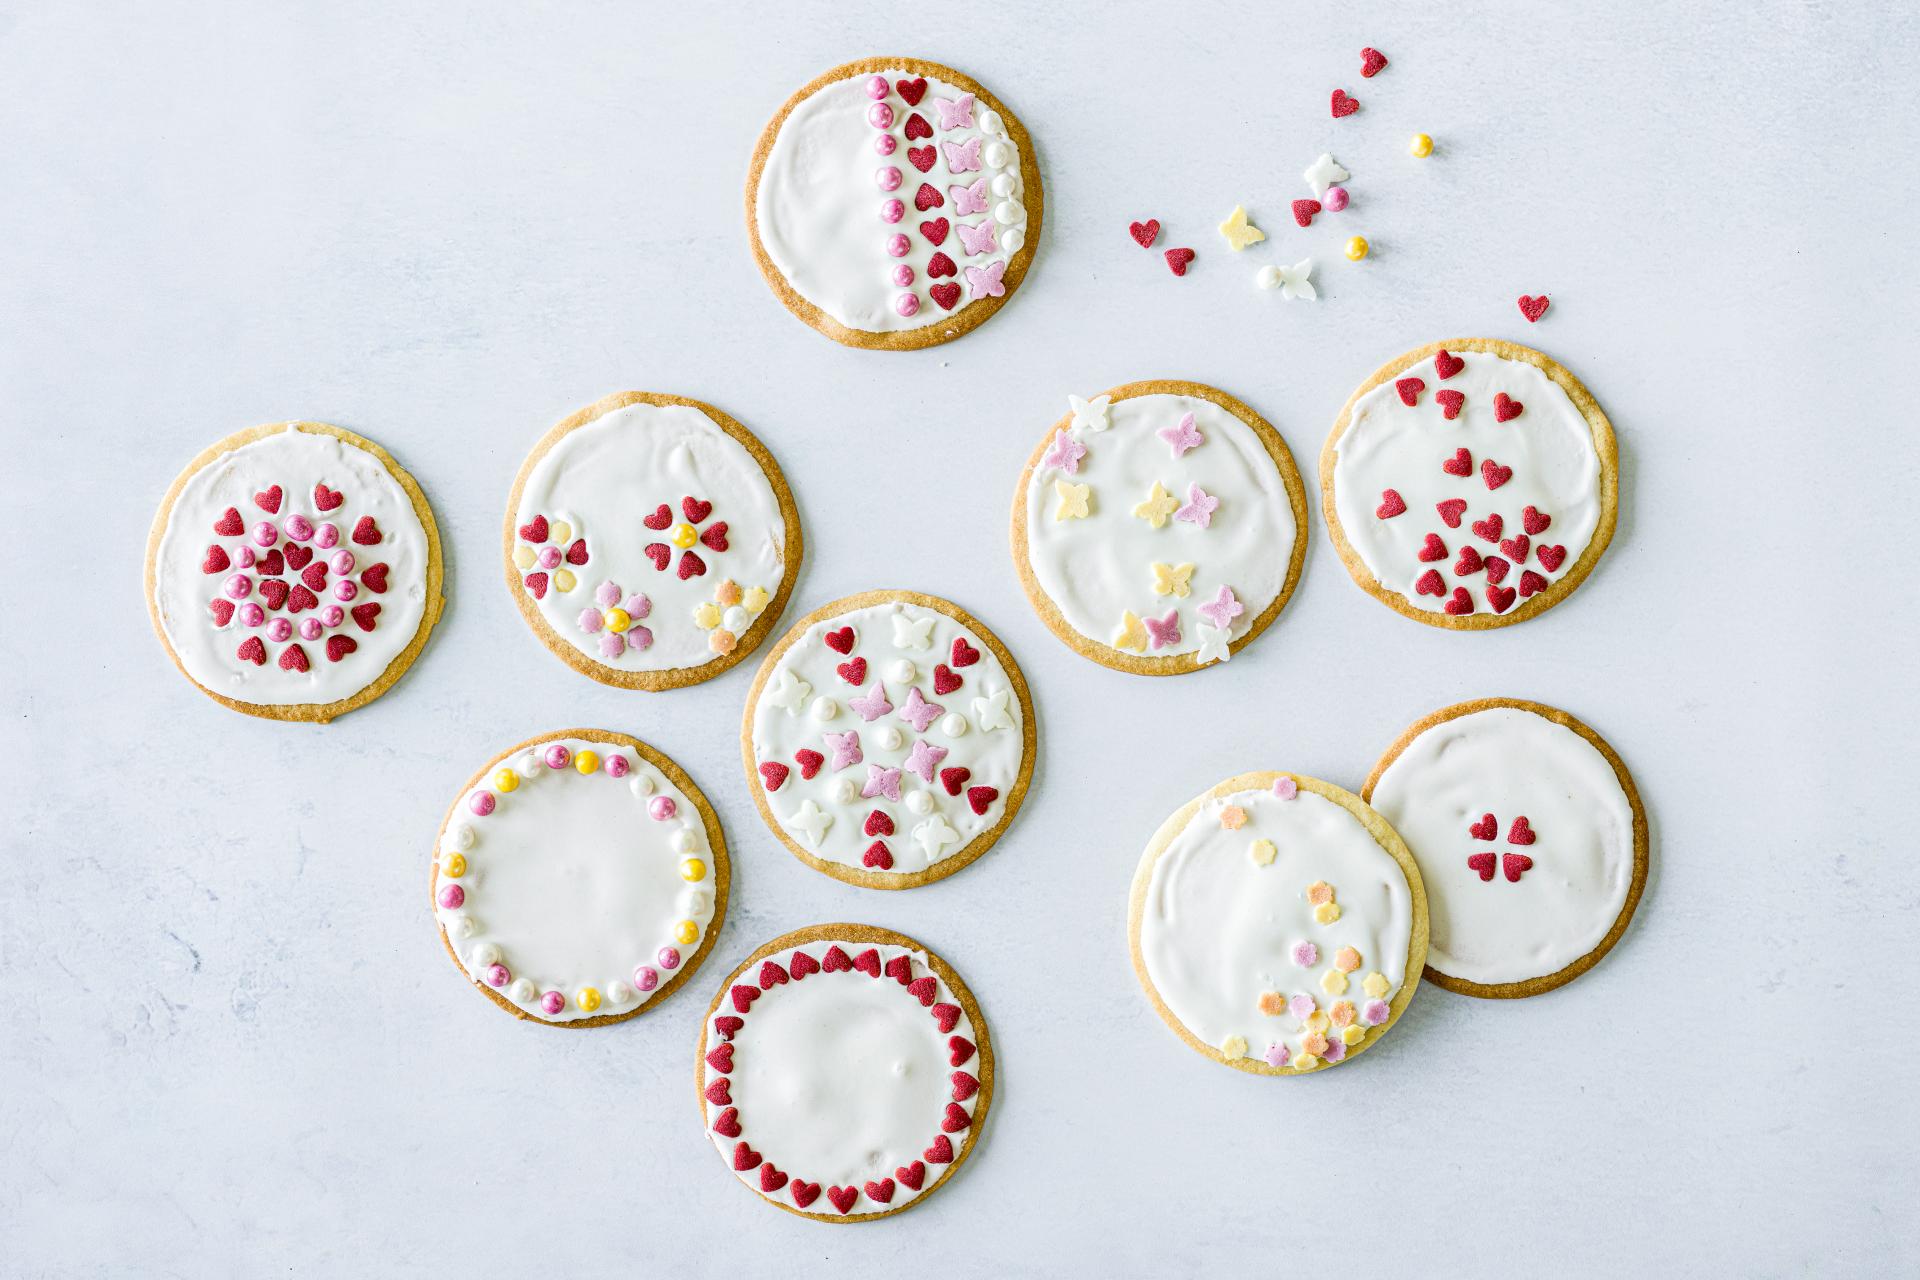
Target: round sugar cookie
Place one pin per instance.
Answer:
(1470, 484)
(889, 739)
(1278, 924)
(579, 878)
(893, 203)
(293, 571)
(844, 1072)
(1159, 527)
(651, 541)
(1530, 837)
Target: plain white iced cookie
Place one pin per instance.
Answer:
(1530, 837)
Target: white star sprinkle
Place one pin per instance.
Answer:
(1089, 415)
(810, 818)
(912, 633)
(992, 711)
(789, 691)
(1324, 172)
(935, 835)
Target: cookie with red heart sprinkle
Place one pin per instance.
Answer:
(1521, 832)
(941, 1152)
(272, 564)
(253, 650)
(727, 1125)
(1515, 865)
(714, 536)
(1303, 214)
(900, 969)
(912, 1176)
(366, 533)
(745, 1157)
(659, 553)
(1430, 584)
(217, 560)
(230, 525)
(726, 1024)
(274, 592)
(577, 553)
(365, 616)
(1460, 464)
(315, 576)
(922, 158)
(374, 578)
(980, 799)
(339, 647)
(801, 965)
(1499, 599)
(1343, 104)
(720, 1093)
(695, 509)
(1550, 557)
(772, 774)
(912, 90)
(294, 658)
(809, 761)
(1446, 364)
(1450, 511)
(1178, 260)
(721, 1058)
(771, 1179)
(955, 1119)
(944, 680)
(743, 994)
(1469, 562)
(940, 265)
(1506, 408)
(917, 128)
(877, 824)
(840, 641)
(325, 499)
(661, 517)
(1410, 389)
(1497, 568)
(1531, 582)
(1516, 548)
(836, 961)
(1533, 520)
(842, 1198)
(877, 856)
(300, 599)
(268, 499)
(868, 962)
(1533, 308)
(222, 610)
(935, 230)
(535, 530)
(927, 198)
(771, 975)
(1460, 603)
(1489, 528)
(962, 654)
(925, 990)
(964, 1086)
(955, 778)
(691, 566)
(1372, 62)
(1432, 549)
(1144, 233)
(853, 671)
(1451, 402)
(946, 1016)
(1391, 504)
(299, 557)
(1483, 863)
(803, 1193)
(1494, 474)
(959, 1049)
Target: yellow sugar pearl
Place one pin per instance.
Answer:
(586, 761)
(685, 932)
(560, 531)
(1421, 145)
(722, 641)
(588, 998)
(755, 600)
(1353, 1035)
(728, 592)
(1327, 912)
(693, 869)
(1357, 248)
(523, 556)
(1318, 1021)
(1272, 1003)
(1375, 985)
(455, 866)
(684, 535)
(1234, 1047)
(707, 616)
(563, 580)
(617, 620)
(1346, 959)
(505, 780)
(1304, 1061)
(1262, 852)
(1319, 891)
(1233, 817)
(1315, 1045)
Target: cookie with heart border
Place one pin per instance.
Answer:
(579, 878)
(889, 739)
(1470, 484)
(294, 572)
(651, 541)
(844, 1072)
(1159, 527)
(1530, 836)
(1278, 924)
(893, 203)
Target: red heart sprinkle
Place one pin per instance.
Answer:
(912, 90)
(1451, 510)
(962, 654)
(299, 599)
(917, 127)
(959, 1049)
(1343, 105)
(1429, 584)
(1446, 364)
(222, 610)
(944, 681)
(298, 556)
(268, 499)
(878, 823)
(1533, 522)
(1460, 464)
(836, 961)
(840, 641)
(745, 1157)
(1497, 569)
(843, 1197)
(695, 510)
(868, 962)
(946, 1016)
(941, 1152)
(294, 658)
(1451, 403)
(1434, 549)
(1531, 582)
(230, 525)
(936, 231)
(744, 994)
(216, 561)
(1516, 548)
(947, 295)
(339, 647)
(912, 1176)
(921, 158)
(660, 553)
(955, 1119)
(720, 1093)
(1489, 528)
(1506, 408)
(801, 965)
(364, 615)
(1144, 233)
(1303, 211)
(853, 671)
(1488, 828)
(964, 1086)
(878, 855)
(1520, 832)
(1469, 562)
(925, 990)
(1178, 260)
(880, 1192)
(315, 576)
(927, 198)
(327, 499)
(534, 530)
(1533, 308)
(771, 1179)
(1551, 558)
(1372, 61)
(809, 761)
(771, 975)
(1483, 863)
(900, 969)
(365, 532)
(940, 265)
(980, 798)
(1494, 474)
(1515, 865)
(715, 536)
(1391, 504)
(772, 774)
(955, 778)
(804, 1193)
(1499, 598)
(1410, 389)
(726, 1024)
(577, 553)
(374, 577)
(252, 650)
(728, 1125)
(537, 583)
(1461, 603)
(721, 1058)
(662, 517)
(691, 566)
(274, 592)
(272, 564)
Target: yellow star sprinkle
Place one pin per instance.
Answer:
(1304, 1061)
(1234, 1047)
(1272, 1003)
(1262, 853)
(1172, 579)
(707, 616)
(1158, 507)
(1073, 500)
(1132, 634)
(1333, 982)
(1354, 1035)
(1239, 232)
(755, 600)
(1375, 985)
(1233, 817)
(1327, 912)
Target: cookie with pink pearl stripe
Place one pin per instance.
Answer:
(889, 739)
(1470, 484)
(844, 1072)
(579, 878)
(1159, 526)
(294, 571)
(1278, 924)
(651, 541)
(893, 203)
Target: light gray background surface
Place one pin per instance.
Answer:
(230, 1042)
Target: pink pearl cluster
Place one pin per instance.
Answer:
(881, 116)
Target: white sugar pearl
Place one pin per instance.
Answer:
(529, 766)
(641, 784)
(1013, 239)
(1003, 184)
(954, 725)
(686, 840)
(484, 954)
(990, 122)
(891, 739)
(619, 992)
(825, 709)
(460, 836)
(461, 927)
(1008, 214)
(735, 620)
(999, 155)
(920, 802)
(694, 903)
(844, 792)
(903, 671)
(523, 991)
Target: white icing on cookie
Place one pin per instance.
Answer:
(1101, 568)
(1389, 445)
(822, 207)
(186, 594)
(841, 1079)
(599, 484)
(1220, 924)
(1512, 763)
(573, 882)
(976, 727)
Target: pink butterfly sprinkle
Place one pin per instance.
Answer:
(955, 113)
(963, 157)
(968, 200)
(1065, 452)
(1162, 632)
(977, 238)
(1182, 437)
(1200, 507)
(1222, 609)
(984, 282)
(881, 781)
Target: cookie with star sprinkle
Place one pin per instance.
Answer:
(894, 203)
(889, 739)
(1159, 526)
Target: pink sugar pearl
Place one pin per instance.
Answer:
(646, 978)
(557, 756)
(252, 615)
(343, 589)
(341, 562)
(552, 1004)
(299, 528)
(880, 116)
(617, 766)
(239, 586)
(877, 87)
(279, 629)
(892, 210)
(669, 958)
(883, 144)
(244, 557)
(903, 275)
(332, 615)
(549, 557)
(497, 975)
(452, 897)
(1335, 200)
(310, 628)
(327, 535)
(897, 246)
(265, 534)
(481, 802)
(907, 304)
(887, 177)
(662, 808)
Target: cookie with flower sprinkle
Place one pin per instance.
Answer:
(579, 878)
(1159, 527)
(651, 541)
(889, 739)
(1278, 924)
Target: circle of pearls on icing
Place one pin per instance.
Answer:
(452, 897)
(552, 1003)
(887, 177)
(880, 116)
(884, 144)
(686, 932)
(587, 762)
(522, 991)
(617, 766)
(876, 87)
(557, 756)
(1007, 212)
(646, 978)
(1421, 145)
(998, 154)
(892, 211)
(907, 304)
(953, 724)
(920, 802)
(897, 246)
(903, 671)
(1357, 248)
(668, 958)
(460, 836)
(642, 784)
(455, 866)
(618, 620)
(481, 802)
(588, 998)
(1003, 184)
(844, 791)
(1335, 199)
(693, 869)
(662, 808)
(496, 975)
(735, 620)
(825, 708)
(505, 780)
(619, 992)
(890, 738)
(903, 275)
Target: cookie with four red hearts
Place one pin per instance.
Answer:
(1473, 445)
(294, 571)
(1530, 837)
(844, 1072)
(579, 877)
(651, 541)
(1159, 527)
(889, 739)
(893, 203)
(1278, 924)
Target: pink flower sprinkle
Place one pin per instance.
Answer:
(639, 638)
(481, 802)
(1306, 955)
(638, 606)
(607, 594)
(1301, 1007)
(1336, 1049)
(590, 620)
(1278, 1055)
(612, 644)
(1286, 788)
(1375, 1012)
